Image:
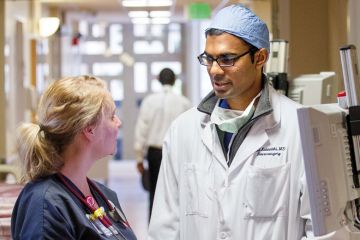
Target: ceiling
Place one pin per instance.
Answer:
(115, 5)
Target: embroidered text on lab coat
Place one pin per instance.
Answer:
(271, 151)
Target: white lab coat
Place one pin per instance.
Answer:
(156, 113)
(261, 196)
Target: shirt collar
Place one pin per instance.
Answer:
(209, 101)
(167, 88)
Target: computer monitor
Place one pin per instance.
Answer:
(276, 66)
(278, 57)
(329, 166)
(310, 89)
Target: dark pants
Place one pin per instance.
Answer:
(154, 156)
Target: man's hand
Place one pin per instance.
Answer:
(140, 167)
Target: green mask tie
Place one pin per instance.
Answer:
(229, 120)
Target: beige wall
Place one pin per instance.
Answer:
(315, 31)
(309, 31)
(338, 12)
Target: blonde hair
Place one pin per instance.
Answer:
(67, 106)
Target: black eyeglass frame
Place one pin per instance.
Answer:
(233, 59)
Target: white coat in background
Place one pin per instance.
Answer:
(157, 111)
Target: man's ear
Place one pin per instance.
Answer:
(260, 57)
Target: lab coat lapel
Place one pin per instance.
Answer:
(254, 140)
(211, 141)
(258, 136)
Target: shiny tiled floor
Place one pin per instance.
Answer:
(125, 181)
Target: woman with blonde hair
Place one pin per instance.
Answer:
(76, 126)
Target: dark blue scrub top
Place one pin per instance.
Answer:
(45, 209)
(227, 137)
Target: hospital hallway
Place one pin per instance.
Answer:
(125, 181)
(126, 44)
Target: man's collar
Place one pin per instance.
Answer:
(208, 103)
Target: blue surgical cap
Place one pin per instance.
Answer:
(242, 22)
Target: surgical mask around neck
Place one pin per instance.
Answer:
(229, 120)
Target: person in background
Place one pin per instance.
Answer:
(76, 127)
(233, 167)
(157, 111)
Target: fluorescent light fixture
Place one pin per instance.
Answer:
(150, 20)
(146, 3)
(160, 20)
(159, 3)
(138, 14)
(155, 14)
(48, 26)
(134, 3)
(140, 20)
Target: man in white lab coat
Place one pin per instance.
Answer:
(233, 167)
(157, 111)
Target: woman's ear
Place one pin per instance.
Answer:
(89, 132)
(260, 57)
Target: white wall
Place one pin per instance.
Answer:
(17, 38)
(354, 23)
(196, 75)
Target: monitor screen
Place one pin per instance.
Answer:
(328, 165)
(310, 89)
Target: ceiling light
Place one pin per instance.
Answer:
(138, 14)
(134, 3)
(146, 3)
(159, 3)
(160, 14)
(48, 26)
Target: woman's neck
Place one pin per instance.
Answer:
(77, 162)
(78, 179)
(76, 168)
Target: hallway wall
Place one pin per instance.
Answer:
(315, 31)
(2, 85)
(17, 68)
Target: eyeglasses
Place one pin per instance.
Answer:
(223, 60)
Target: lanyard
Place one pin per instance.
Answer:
(110, 205)
(99, 213)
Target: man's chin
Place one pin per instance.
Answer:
(220, 94)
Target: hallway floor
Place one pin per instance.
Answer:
(125, 181)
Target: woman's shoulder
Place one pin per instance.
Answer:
(41, 189)
(39, 205)
(32, 198)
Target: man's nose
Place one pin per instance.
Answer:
(215, 69)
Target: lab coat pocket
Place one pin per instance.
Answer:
(267, 192)
(196, 191)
